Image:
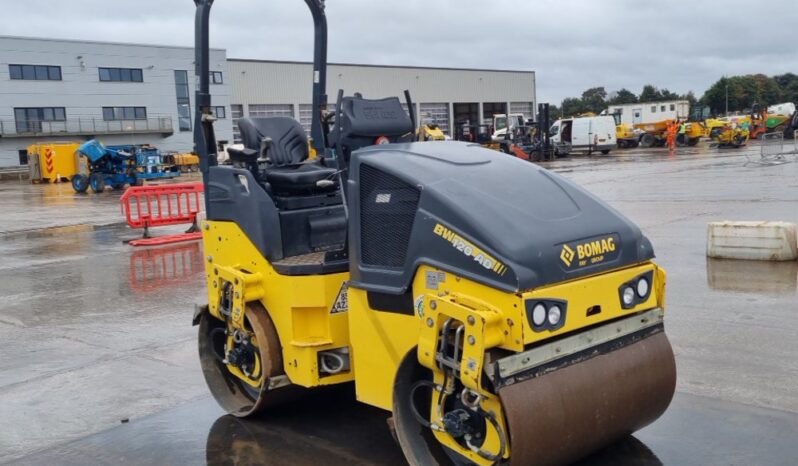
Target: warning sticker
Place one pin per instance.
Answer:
(341, 301)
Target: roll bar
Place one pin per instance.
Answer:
(319, 73)
(204, 138)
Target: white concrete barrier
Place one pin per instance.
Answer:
(769, 241)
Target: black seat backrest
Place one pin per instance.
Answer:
(289, 142)
(363, 121)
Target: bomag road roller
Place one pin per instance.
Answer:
(502, 314)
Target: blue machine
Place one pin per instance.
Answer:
(117, 166)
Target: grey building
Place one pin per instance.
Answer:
(447, 96)
(67, 90)
(64, 90)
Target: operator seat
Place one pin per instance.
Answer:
(288, 170)
(365, 122)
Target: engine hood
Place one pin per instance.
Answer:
(484, 215)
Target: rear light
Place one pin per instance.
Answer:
(382, 140)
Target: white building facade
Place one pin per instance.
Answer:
(445, 96)
(63, 90)
(651, 112)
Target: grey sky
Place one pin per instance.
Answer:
(571, 44)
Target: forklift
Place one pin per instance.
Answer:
(501, 313)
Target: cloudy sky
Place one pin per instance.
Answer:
(571, 44)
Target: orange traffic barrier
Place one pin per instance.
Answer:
(163, 205)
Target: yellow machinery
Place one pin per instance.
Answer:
(656, 133)
(53, 162)
(626, 136)
(731, 135)
(502, 314)
(182, 162)
(430, 132)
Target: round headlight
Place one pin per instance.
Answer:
(642, 287)
(628, 296)
(539, 314)
(555, 314)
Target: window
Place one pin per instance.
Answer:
(124, 113)
(662, 108)
(268, 110)
(218, 112)
(673, 107)
(127, 75)
(23, 156)
(236, 113)
(438, 114)
(29, 120)
(637, 114)
(653, 109)
(35, 72)
(215, 77)
(525, 108)
(183, 100)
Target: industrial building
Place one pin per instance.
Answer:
(68, 90)
(445, 96)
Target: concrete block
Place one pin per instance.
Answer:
(770, 241)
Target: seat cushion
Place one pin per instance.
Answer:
(301, 178)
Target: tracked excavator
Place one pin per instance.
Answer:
(501, 313)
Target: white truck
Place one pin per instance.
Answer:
(587, 134)
(650, 112)
(500, 125)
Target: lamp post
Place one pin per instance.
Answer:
(727, 99)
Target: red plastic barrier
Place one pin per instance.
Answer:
(162, 205)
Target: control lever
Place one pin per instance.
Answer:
(265, 145)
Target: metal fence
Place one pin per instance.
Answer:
(771, 150)
(84, 126)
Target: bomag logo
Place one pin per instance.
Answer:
(567, 255)
(469, 249)
(592, 251)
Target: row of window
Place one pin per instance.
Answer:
(53, 73)
(662, 108)
(22, 114)
(35, 72)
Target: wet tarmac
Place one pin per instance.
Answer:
(333, 429)
(93, 331)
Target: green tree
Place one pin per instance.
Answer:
(572, 106)
(594, 100)
(650, 94)
(690, 97)
(623, 96)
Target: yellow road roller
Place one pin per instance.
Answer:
(501, 313)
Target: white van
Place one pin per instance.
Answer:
(591, 134)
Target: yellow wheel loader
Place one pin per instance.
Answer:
(502, 314)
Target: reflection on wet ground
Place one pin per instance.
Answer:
(752, 276)
(331, 428)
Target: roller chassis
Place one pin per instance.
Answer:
(472, 341)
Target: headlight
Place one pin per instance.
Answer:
(554, 315)
(546, 314)
(628, 296)
(636, 291)
(539, 314)
(642, 287)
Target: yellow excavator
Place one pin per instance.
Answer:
(501, 313)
